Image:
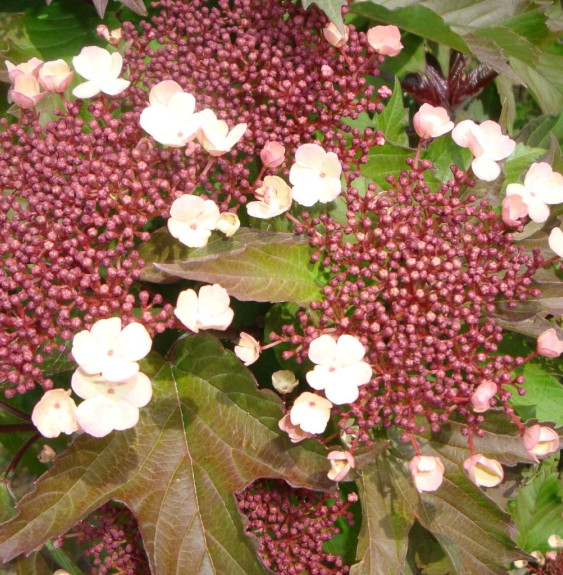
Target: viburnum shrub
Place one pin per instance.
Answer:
(249, 338)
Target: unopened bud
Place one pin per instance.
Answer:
(272, 154)
(284, 381)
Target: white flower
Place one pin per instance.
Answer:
(109, 405)
(432, 121)
(192, 219)
(340, 464)
(482, 471)
(214, 135)
(111, 351)
(310, 412)
(55, 76)
(207, 310)
(315, 175)
(228, 223)
(555, 241)
(101, 69)
(542, 186)
(340, 369)
(487, 144)
(427, 472)
(170, 118)
(274, 199)
(248, 349)
(55, 413)
(294, 432)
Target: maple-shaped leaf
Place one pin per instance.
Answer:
(207, 433)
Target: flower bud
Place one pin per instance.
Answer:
(482, 396)
(482, 471)
(540, 441)
(555, 541)
(112, 37)
(340, 464)
(55, 76)
(25, 92)
(47, 454)
(385, 40)
(548, 344)
(228, 223)
(384, 92)
(333, 35)
(272, 154)
(284, 381)
(248, 349)
(427, 472)
(432, 121)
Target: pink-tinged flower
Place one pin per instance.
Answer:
(274, 199)
(170, 118)
(340, 464)
(111, 351)
(340, 369)
(55, 76)
(384, 92)
(432, 121)
(555, 241)
(214, 134)
(228, 224)
(315, 175)
(55, 413)
(551, 555)
(192, 219)
(482, 396)
(482, 471)
(112, 37)
(207, 310)
(548, 344)
(294, 432)
(513, 210)
(385, 39)
(488, 145)
(542, 187)
(109, 405)
(25, 92)
(310, 412)
(555, 541)
(248, 349)
(272, 154)
(540, 441)
(31, 67)
(101, 70)
(427, 472)
(284, 381)
(333, 35)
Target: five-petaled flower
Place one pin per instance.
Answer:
(340, 369)
(540, 441)
(101, 70)
(310, 412)
(209, 309)
(385, 40)
(432, 121)
(192, 218)
(482, 471)
(109, 351)
(427, 472)
(274, 198)
(315, 175)
(55, 413)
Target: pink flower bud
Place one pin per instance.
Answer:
(26, 91)
(272, 154)
(55, 76)
(482, 471)
(384, 92)
(431, 122)
(385, 39)
(427, 472)
(112, 37)
(30, 67)
(341, 462)
(513, 210)
(228, 223)
(333, 35)
(548, 344)
(540, 441)
(482, 395)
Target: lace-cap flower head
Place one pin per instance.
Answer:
(101, 70)
(192, 218)
(214, 134)
(540, 441)
(209, 309)
(170, 118)
(274, 199)
(55, 413)
(482, 471)
(315, 176)
(385, 40)
(248, 349)
(108, 405)
(340, 464)
(427, 472)
(488, 145)
(431, 122)
(55, 76)
(310, 412)
(340, 369)
(542, 187)
(111, 351)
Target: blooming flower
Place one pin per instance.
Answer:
(540, 441)
(214, 134)
(55, 76)
(310, 412)
(482, 471)
(272, 154)
(55, 413)
(112, 37)
(207, 310)
(385, 39)
(340, 464)
(248, 349)
(170, 117)
(427, 472)
(101, 69)
(109, 405)
(513, 210)
(432, 121)
(340, 369)
(542, 186)
(284, 381)
(294, 432)
(275, 198)
(555, 241)
(30, 67)
(482, 396)
(333, 35)
(25, 92)
(192, 219)
(548, 344)
(111, 351)
(487, 144)
(315, 175)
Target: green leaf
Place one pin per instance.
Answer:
(394, 119)
(519, 161)
(384, 161)
(207, 433)
(536, 132)
(332, 8)
(258, 266)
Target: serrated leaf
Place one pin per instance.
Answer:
(394, 118)
(332, 8)
(384, 161)
(207, 433)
